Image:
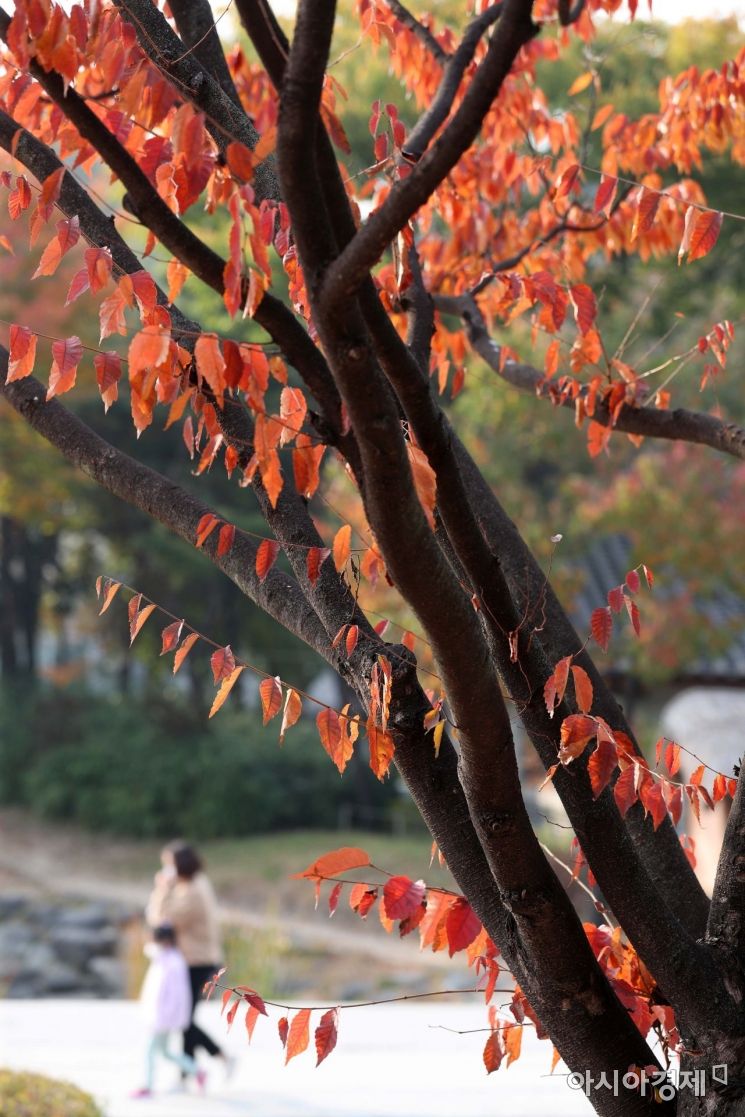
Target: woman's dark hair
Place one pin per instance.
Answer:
(164, 934)
(186, 860)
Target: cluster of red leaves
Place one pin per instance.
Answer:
(601, 620)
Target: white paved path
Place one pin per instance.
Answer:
(390, 1062)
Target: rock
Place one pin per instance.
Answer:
(92, 916)
(11, 906)
(77, 945)
(15, 937)
(110, 973)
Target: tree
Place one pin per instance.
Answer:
(483, 212)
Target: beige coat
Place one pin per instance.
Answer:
(191, 908)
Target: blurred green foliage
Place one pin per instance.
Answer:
(23, 1094)
(113, 765)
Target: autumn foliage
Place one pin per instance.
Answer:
(359, 301)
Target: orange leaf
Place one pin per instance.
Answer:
(581, 83)
(298, 1036)
(553, 691)
(222, 662)
(512, 1036)
(225, 539)
(211, 363)
(646, 210)
(381, 750)
(67, 355)
(333, 738)
(334, 863)
(577, 731)
(110, 593)
(22, 353)
(225, 688)
(148, 349)
(353, 633)
(341, 546)
(601, 116)
(183, 651)
(265, 557)
(326, 1034)
(293, 709)
(270, 691)
(205, 527)
(425, 481)
(492, 1053)
(292, 412)
(137, 617)
(582, 689)
(252, 1015)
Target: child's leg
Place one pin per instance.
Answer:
(187, 1064)
(156, 1047)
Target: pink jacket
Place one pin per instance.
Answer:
(166, 993)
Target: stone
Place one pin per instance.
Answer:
(110, 973)
(12, 906)
(77, 945)
(92, 916)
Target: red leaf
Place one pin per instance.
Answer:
(585, 306)
(605, 194)
(625, 791)
(225, 688)
(601, 626)
(553, 691)
(315, 558)
(67, 355)
(462, 926)
(633, 611)
(271, 698)
(672, 758)
(492, 1053)
(299, 1034)
(282, 1028)
(223, 663)
(108, 368)
(334, 863)
(362, 898)
(171, 636)
(225, 539)
(582, 689)
(293, 709)
(266, 557)
(381, 750)
(654, 804)
(326, 1034)
(648, 575)
(632, 581)
(402, 896)
(616, 598)
(601, 765)
(334, 897)
(253, 998)
(704, 234)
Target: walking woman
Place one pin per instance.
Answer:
(183, 896)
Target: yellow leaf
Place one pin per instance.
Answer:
(225, 688)
(581, 83)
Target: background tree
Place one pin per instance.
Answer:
(489, 209)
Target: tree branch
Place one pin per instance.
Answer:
(680, 425)
(196, 26)
(418, 139)
(726, 929)
(349, 269)
(226, 121)
(425, 36)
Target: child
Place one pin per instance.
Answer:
(166, 999)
